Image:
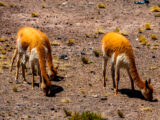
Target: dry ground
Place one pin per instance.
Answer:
(62, 20)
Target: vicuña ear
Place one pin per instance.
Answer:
(149, 80)
(57, 67)
(146, 84)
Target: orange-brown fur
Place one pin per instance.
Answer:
(32, 38)
(115, 43)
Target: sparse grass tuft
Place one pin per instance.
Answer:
(96, 53)
(155, 9)
(70, 42)
(157, 15)
(86, 116)
(43, 6)
(116, 30)
(85, 60)
(15, 89)
(11, 5)
(55, 43)
(153, 36)
(140, 30)
(34, 14)
(124, 33)
(146, 109)
(65, 100)
(95, 35)
(2, 4)
(120, 114)
(147, 26)
(143, 41)
(87, 35)
(154, 47)
(67, 112)
(101, 5)
(3, 52)
(156, 44)
(100, 31)
(153, 67)
(3, 39)
(82, 90)
(9, 114)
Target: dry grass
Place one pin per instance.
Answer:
(67, 112)
(2, 4)
(153, 67)
(124, 33)
(120, 114)
(100, 31)
(85, 60)
(65, 100)
(146, 109)
(55, 43)
(116, 30)
(153, 36)
(88, 35)
(140, 30)
(157, 15)
(155, 9)
(15, 89)
(101, 5)
(143, 41)
(34, 14)
(147, 26)
(70, 42)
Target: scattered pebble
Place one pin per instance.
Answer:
(95, 96)
(63, 56)
(153, 56)
(52, 108)
(83, 53)
(104, 98)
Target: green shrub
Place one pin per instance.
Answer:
(86, 116)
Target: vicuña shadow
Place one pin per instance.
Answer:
(57, 78)
(134, 94)
(54, 90)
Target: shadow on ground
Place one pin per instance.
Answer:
(134, 94)
(54, 90)
(57, 78)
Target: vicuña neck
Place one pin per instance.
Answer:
(135, 75)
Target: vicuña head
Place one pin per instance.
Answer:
(117, 48)
(147, 91)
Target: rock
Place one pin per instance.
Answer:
(63, 56)
(52, 108)
(95, 96)
(104, 98)
(59, 37)
(83, 53)
(153, 56)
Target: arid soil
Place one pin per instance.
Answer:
(79, 87)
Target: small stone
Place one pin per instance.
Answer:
(59, 37)
(153, 56)
(95, 96)
(104, 98)
(63, 56)
(110, 104)
(52, 108)
(83, 53)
